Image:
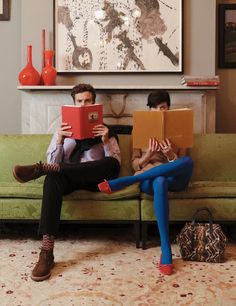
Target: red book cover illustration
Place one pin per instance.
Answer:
(82, 119)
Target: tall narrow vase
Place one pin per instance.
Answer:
(29, 75)
(49, 73)
(42, 54)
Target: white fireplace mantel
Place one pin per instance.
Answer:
(118, 87)
(41, 105)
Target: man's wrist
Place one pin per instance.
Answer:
(60, 141)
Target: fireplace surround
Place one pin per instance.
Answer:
(41, 105)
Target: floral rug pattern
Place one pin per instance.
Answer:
(104, 271)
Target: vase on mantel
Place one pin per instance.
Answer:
(49, 72)
(29, 75)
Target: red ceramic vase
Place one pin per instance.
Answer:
(29, 75)
(49, 73)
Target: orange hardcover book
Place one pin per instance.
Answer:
(176, 125)
(82, 119)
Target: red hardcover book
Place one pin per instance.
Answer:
(82, 119)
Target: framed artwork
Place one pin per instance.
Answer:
(118, 36)
(4, 9)
(227, 35)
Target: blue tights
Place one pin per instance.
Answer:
(157, 181)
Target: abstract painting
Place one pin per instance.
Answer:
(118, 35)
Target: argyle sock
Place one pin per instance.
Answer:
(48, 168)
(48, 242)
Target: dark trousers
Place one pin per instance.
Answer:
(71, 177)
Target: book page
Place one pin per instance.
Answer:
(178, 127)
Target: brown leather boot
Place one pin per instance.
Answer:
(42, 269)
(27, 173)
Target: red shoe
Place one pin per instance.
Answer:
(105, 187)
(166, 269)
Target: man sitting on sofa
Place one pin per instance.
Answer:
(72, 164)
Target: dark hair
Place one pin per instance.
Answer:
(82, 88)
(157, 97)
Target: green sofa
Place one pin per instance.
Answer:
(21, 202)
(213, 185)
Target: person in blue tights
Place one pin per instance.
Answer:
(162, 167)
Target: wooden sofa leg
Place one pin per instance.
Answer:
(137, 234)
(3, 227)
(144, 235)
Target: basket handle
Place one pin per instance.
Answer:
(203, 209)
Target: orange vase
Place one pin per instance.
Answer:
(29, 75)
(49, 73)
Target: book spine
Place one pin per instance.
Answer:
(163, 121)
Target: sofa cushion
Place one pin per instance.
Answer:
(17, 190)
(203, 189)
(35, 191)
(214, 157)
(130, 192)
(84, 210)
(223, 209)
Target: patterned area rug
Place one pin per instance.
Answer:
(94, 269)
